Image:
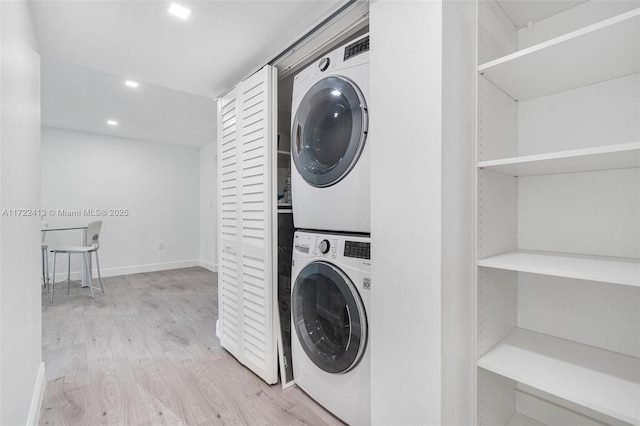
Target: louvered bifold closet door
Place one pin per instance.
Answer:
(229, 269)
(253, 338)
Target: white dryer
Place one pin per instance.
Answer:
(330, 181)
(331, 277)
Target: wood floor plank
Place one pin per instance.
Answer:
(65, 360)
(145, 353)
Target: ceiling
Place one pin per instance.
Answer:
(82, 99)
(90, 48)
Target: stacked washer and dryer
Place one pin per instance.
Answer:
(331, 268)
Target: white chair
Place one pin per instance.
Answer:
(93, 244)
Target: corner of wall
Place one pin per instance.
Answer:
(38, 395)
(208, 206)
(412, 234)
(20, 314)
(458, 124)
(213, 267)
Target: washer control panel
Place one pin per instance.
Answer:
(352, 249)
(316, 245)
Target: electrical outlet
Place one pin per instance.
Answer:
(160, 245)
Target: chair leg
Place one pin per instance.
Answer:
(46, 262)
(68, 273)
(53, 279)
(86, 262)
(98, 266)
(44, 277)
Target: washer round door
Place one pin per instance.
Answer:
(329, 131)
(329, 317)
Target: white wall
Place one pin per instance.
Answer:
(21, 368)
(406, 134)
(458, 135)
(422, 133)
(208, 207)
(157, 183)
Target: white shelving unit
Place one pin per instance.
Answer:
(600, 380)
(622, 156)
(593, 268)
(558, 208)
(599, 52)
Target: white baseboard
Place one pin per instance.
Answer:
(213, 267)
(152, 267)
(36, 398)
(133, 269)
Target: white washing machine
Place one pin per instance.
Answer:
(331, 277)
(329, 142)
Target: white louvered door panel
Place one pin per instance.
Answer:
(248, 222)
(258, 152)
(228, 299)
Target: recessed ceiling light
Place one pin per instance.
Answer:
(131, 83)
(112, 122)
(179, 11)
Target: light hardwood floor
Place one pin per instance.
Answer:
(145, 353)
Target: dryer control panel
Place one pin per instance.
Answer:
(357, 249)
(356, 48)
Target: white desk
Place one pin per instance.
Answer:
(83, 241)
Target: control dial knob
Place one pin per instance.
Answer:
(324, 64)
(324, 246)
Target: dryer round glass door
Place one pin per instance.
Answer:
(329, 317)
(329, 131)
